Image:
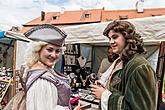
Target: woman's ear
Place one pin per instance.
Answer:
(125, 34)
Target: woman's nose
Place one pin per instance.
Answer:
(53, 55)
(112, 41)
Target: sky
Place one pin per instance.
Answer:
(18, 12)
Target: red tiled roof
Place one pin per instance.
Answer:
(129, 14)
(69, 17)
(78, 17)
(48, 19)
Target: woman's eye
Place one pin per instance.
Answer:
(114, 36)
(58, 50)
(50, 50)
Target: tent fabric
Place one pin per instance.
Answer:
(6, 38)
(152, 30)
(2, 34)
(7, 47)
(13, 36)
(16, 36)
(100, 52)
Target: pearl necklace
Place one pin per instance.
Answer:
(46, 67)
(43, 65)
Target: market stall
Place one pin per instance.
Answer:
(8, 48)
(152, 30)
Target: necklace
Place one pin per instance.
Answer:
(82, 61)
(83, 80)
(43, 65)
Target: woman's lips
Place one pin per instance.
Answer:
(114, 46)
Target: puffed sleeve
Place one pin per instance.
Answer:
(42, 95)
(140, 91)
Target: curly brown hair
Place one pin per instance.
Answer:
(134, 42)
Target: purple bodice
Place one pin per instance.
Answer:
(61, 83)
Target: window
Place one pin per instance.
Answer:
(87, 15)
(55, 17)
(123, 17)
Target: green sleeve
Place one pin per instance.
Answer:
(140, 91)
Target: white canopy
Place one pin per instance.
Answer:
(152, 30)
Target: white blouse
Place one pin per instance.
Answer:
(42, 95)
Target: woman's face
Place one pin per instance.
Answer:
(49, 54)
(117, 41)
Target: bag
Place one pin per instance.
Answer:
(18, 102)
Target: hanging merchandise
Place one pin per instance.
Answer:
(81, 61)
(70, 57)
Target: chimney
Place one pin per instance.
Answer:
(62, 10)
(15, 29)
(139, 6)
(42, 15)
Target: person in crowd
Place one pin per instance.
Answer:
(131, 83)
(51, 91)
(106, 62)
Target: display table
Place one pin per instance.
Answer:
(86, 98)
(93, 106)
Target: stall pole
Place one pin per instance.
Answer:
(14, 68)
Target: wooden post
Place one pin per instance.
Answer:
(14, 68)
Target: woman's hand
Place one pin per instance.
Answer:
(78, 107)
(97, 91)
(96, 82)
